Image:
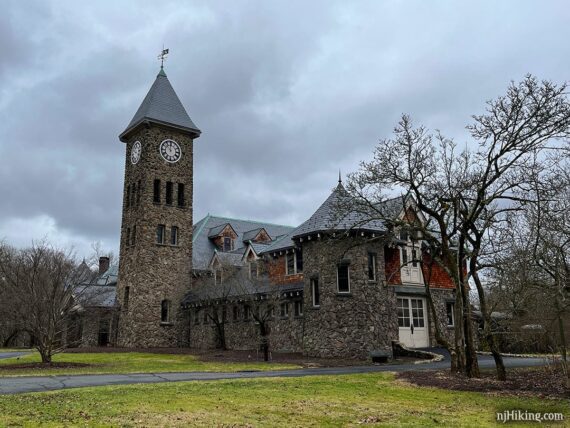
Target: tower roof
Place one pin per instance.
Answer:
(332, 215)
(161, 106)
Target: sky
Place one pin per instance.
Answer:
(286, 95)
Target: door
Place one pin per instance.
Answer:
(412, 322)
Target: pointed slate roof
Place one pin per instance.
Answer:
(162, 106)
(330, 216)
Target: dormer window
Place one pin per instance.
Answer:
(228, 244)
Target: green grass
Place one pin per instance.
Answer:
(131, 362)
(351, 400)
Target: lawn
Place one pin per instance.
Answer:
(129, 362)
(351, 400)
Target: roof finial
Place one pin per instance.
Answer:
(163, 56)
(339, 178)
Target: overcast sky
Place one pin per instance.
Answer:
(285, 93)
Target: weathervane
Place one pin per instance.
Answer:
(162, 56)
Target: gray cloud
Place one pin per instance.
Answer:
(286, 93)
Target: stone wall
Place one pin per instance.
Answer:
(353, 324)
(440, 297)
(90, 323)
(152, 271)
(285, 332)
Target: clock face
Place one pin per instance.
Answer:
(136, 152)
(170, 151)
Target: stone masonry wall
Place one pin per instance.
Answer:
(153, 271)
(353, 324)
(285, 332)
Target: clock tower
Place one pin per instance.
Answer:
(155, 267)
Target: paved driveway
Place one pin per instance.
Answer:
(14, 385)
(4, 355)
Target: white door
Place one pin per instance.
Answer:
(412, 322)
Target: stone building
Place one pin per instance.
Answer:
(337, 285)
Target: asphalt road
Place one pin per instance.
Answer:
(16, 385)
(4, 355)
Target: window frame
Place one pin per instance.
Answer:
(174, 235)
(315, 292)
(298, 308)
(181, 196)
(162, 229)
(284, 310)
(452, 313)
(165, 309)
(230, 246)
(156, 197)
(169, 192)
(342, 266)
(372, 257)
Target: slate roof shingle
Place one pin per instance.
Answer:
(203, 248)
(162, 106)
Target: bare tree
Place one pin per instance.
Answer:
(464, 194)
(39, 282)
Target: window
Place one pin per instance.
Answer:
(294, 262)
(299, 261)
(197, 316)
(174, 235)
(181, 199)
(414, 258)
(253, 269)
(206, 318)
(228, 243)
(126, 298)
(315, 292)
(404, 256)
(298, 308)
(372, 266)
(139, 193)
(156, 192)
(235, 313)
(128, 237)
(169, 188)
(246, 313)
(271, 312)
(165, 311)
(343, 278)
(160, 233)
(449, 309)
(284, 310)
(403, 313)
(133, 194)
(217, 276)
(134, 235)
(128, 196)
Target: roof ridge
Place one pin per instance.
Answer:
(204, 220)
(251, 221)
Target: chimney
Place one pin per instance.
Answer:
(103, 264)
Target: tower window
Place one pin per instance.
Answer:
(126, 298)
(139, 193)
(134, 235)
(174, 235)
(128, 238)
(371, 266)
(128, 196)
(181, 199)
(169, 188)
(133, 194)
(156, 192)
(315, 292)
(165, 311)
(343, 278)
(160, 233)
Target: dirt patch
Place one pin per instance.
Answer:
(216, 355)
(42, 366)
(545, 382)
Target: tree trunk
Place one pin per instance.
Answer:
(471, 363)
